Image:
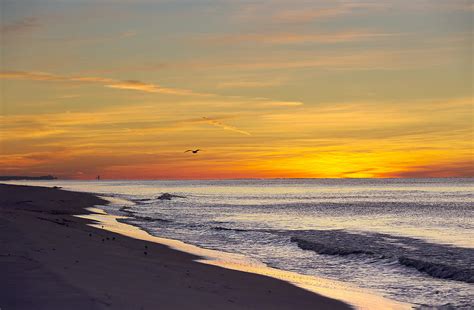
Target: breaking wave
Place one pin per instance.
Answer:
(436, 260)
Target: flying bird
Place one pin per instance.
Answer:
(194, 151)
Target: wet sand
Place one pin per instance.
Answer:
(51, 259)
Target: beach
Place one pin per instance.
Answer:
(52, 259)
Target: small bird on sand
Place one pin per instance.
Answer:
(194, 151)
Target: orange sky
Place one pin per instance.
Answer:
(267, 89)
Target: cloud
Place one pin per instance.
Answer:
(350, 61)
(447, 120)
(135, 85)
(340, 9)
(248, 84)
(35, 76)
(437, 5)
(284, 103)
(132, 85)
(225, 126)
(297, 38)
(70, 96)
(92, 39)
(105, 82)
(303, 11)
(19, 26)
(464, 169)
(354, 173)
(382, 59)
(127, 34)
(45, 76)
(154, 88)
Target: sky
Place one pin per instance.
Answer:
(266, 89)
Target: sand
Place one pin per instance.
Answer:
(51, 259)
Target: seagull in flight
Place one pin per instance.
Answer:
(194, 151)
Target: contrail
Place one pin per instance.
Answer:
(225, 126)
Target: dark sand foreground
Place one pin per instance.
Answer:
(50, 259)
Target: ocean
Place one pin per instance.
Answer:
(410, 240)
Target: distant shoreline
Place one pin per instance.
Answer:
(26, 178)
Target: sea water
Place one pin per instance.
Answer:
(411, 240)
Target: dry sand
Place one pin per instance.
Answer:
(50, 259)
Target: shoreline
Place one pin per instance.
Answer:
(353, 296)
(52, 259)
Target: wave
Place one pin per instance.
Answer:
(439, 270)
(325, 249)
(229, 229)
(142, 200)
(134, 216)
(436, 260)
(152, 219)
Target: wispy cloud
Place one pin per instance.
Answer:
(134, 85)
(436, 170)
(299, 12)
(152, 88)
(437, 5)
(248, 84)
(283, 103)
(297, 38)
(69, 96)
(45, 76)
(380, 59)
(92, 39)
(106, 82)
(339, 9)
(219, 124)
(303, 12)
(128, 33)
(19, 26)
